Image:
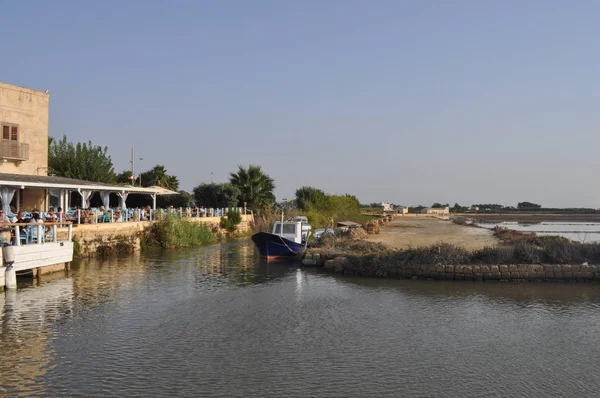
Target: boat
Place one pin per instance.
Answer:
(288, 239)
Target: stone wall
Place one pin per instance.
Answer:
(28, 109)
(513, 272)
(92, 238)
(244, 227)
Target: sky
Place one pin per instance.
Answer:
(410, 102)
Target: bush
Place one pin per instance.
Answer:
(553, 251)
(443, 254)
(175, 232)
(231, 221)
(492, 255)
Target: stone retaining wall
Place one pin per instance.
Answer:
(512, 272)
(93, 237)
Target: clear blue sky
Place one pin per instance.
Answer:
(406, 102)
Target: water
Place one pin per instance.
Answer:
(585, 232)
(217, 322)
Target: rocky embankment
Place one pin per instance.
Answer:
(441, 262)
(372, 265)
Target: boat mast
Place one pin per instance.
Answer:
(281, 229)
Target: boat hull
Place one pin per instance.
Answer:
(272, 247)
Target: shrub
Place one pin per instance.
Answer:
(549, 250)
(231, 222)
(175, 232)
(492, 255)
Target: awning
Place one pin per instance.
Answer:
(162, 191)
(52, 182)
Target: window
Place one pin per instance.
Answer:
(10, 132)
(288, 228)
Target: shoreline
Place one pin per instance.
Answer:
(435, 249)
(530, 217)
(415, 232)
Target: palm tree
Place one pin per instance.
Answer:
(158, 176)
(255, 186)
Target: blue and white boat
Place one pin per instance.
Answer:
(288, 239)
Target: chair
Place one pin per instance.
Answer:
(32, 234)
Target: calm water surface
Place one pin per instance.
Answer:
(217, 322)
(585, 232)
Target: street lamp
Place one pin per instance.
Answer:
(211, 177)
(141, 169)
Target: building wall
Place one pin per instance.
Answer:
(445, 210)
(33, 198)
(28, 109)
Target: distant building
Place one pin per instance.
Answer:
(387, 207)
(401, 209)
(437, 211)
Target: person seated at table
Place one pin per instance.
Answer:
(78, 216)
(51, 216)
(87, 216)
(19, 218)
(36, 219)
(61, 216)
(4, 218)
(118, 216)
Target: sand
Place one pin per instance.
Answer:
(407, 232)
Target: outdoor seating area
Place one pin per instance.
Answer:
(96, 215)
(36, 227)
(20, 234)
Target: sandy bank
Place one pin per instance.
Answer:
(407, 232)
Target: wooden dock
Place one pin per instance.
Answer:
(40, 256)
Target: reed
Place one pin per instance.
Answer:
(175, 232)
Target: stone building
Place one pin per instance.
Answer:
(24, 180)
(437, 211)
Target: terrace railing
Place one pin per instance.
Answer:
(136, 214)
(14, 150)
(37, 233)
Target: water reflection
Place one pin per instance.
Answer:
(585, 232)
(552, 294)
(26, 319)
(217, 321)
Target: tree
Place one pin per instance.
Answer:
(83, 161)
(182, 199)
(216, 195)
(528, 205)
(158, 176)
(437, 205)
(256, 187)
(458, 208)
(123, 178)
(310, 198)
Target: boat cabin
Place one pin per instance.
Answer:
(295, 231)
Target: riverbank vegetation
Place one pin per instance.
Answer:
(516, 249)
(231, 221)
(175, 232)
(324, 210)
